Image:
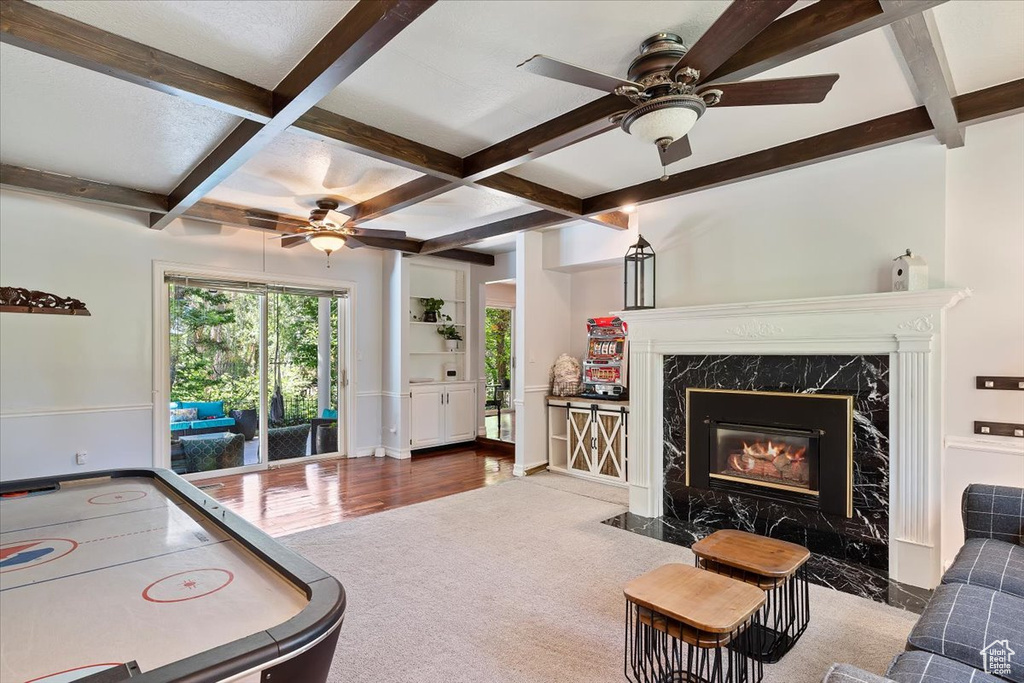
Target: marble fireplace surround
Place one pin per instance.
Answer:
(907, 326)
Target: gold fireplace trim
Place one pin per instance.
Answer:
(849, 439)
(760, 482)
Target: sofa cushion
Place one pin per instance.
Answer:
(961, 621)
(216, 422)
(329, 414)
(205, 408)
(989, 563)
(180, 426)
(925, 667)
(993, 512)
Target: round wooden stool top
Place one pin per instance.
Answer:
(708, 602)
(759, 555)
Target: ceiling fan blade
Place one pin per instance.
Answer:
(372, 232)
(737, 26)
(798, 90)
(678, 150)
(543, 65)
(284, 235)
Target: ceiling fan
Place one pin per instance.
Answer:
(669, 87)
(327, 236)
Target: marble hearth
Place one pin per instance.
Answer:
(884, 350)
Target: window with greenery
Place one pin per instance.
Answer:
(498, 343)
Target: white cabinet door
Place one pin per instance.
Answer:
(426, 416)
(460, 413)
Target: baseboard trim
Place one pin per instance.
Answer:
(543, 467)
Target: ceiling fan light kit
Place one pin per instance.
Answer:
(663, 120)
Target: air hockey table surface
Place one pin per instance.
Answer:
(138, 574)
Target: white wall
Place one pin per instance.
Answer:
(541, 334)
(70, 383)
(985, 334)
(832, 228)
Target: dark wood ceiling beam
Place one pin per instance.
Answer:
(412, 192)
(813, 28)
(982, 105)
(69, 187)
(411, 246)
(925, 63)
(38, 30)
(540, 140)
(361, 33)
(529, 221)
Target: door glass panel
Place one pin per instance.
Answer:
(214, 347)
(499, 417)
(302, 381)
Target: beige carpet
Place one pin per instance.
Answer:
(522, 582)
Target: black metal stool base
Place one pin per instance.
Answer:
(655, 655)
(783, 619)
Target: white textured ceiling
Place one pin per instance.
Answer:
(295, 170)
(61, 118)
(984, 41)
(460, 209)
(448, 80)
(258, 41)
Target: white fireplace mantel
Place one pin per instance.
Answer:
(906, 325)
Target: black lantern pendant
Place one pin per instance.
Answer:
(639, 280)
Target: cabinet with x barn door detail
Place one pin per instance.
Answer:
(587, 438)
(441, 413)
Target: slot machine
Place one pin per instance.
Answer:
(604, 368)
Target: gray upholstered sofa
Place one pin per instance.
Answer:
(975, 620)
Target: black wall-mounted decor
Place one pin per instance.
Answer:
(1001, 383)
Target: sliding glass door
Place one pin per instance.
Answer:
(256, 372)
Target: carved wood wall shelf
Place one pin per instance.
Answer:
(20, 300)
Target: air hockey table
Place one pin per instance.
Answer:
(138, 575)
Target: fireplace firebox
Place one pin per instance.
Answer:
(792, 448)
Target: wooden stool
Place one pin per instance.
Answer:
(776, 567)
(680, 621)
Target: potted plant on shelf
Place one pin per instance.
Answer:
(431, 307)
(451, 334)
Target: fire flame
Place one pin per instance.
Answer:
(770, 451)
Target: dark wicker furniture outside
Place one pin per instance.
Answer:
(287, 442)
(207, 452)
(314, 430)
(326, 438)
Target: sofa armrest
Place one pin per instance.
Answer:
(847, 673)
(993, 512)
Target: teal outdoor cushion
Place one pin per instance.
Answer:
(205, 408)
(219, 422)
(179, 426)
(329, 414)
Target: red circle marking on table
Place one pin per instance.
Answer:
(26, 544)
(79, 669)
(117, 497)
(189, 578)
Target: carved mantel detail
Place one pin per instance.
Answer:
(20, 300)
(923, 323)
(755, 329)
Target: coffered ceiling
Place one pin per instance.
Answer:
(449, 81)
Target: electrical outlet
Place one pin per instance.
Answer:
(80, 457)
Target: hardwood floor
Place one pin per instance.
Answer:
(298, 497)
